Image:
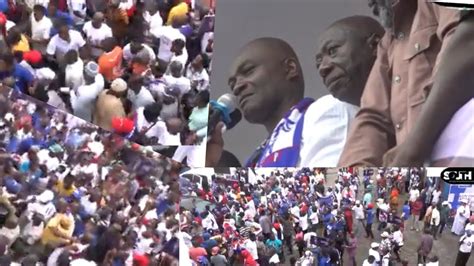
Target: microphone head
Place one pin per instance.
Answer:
(235, 118)
(229, 101)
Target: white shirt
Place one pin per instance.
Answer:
(83, 99)
(205, 41)
(182, 83)
(359, 212)
(40, 29)
(314, 218)
(77, 6)
(375, 253)
(32, 233)
(195, 155)
(155, 21)
(414, 194)
(331, 119)
(252, 248)
(398, 237)
(58, 46)
(52, 163)
(96, 36)
(303, 221)
(436, 195)
(32, 3)
(142, 99)
(128, 56)
(202, 78)
(167, 34)
(435, 217)
(75, 74)
(466, 243)
(367, 263)
(183, 58)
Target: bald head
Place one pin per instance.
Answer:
(266, 77)
(362, 26)
(345, 54)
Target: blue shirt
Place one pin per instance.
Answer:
(61, 16)
(22, 76)
(370, 216)
(406, 212)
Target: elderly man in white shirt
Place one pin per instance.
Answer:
(83, 99)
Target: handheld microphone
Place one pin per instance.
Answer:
(223, 110)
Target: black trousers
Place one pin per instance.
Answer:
(368, 231)
(462, 258)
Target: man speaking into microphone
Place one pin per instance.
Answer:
(268, 82)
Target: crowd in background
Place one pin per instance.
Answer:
(73, 194)
(302, 217)
(138, 68)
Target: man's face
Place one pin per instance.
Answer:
(38, 15)
(344, 61)
(257, 79)
(64, 33)
(383, 9)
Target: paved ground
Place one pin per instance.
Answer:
(445, 247)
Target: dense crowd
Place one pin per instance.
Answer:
(138, 68)
(73, 194)
(299, 217)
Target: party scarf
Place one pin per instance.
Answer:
(282, 149)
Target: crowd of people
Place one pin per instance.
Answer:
(138, 68)
(301, 217)
(74, 194)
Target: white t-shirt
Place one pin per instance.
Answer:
(183, 58)
(414, 194)
(202, 78)
(167, 34)
(155, 21)
(83, 99)
(303, 221)
(40, 30)
(128, 56)
(96, 36)
(466, 243)
(60, 47)
(77, 6)
(195, 155)
(142, 99)
(75, 74)
(314, 218)
(252, 248)
(359, 212)
(436, 194)
(182, 83)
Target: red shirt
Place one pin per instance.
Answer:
(195, 253)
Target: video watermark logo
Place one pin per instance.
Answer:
(460, 4)
(458, 176)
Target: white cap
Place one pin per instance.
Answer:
(374, 245)
(464, 201)
(357, 201)
(46, 196)
(385, 234)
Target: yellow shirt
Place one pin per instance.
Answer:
(22, 46)
(49, 238)
(63, 192)
(178, 11)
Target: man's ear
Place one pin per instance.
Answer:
(292, 68)
(373, 41)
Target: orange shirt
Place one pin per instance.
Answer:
(110, 64)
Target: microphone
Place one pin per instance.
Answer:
(223, 110)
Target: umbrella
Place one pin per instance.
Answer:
(199, 204)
